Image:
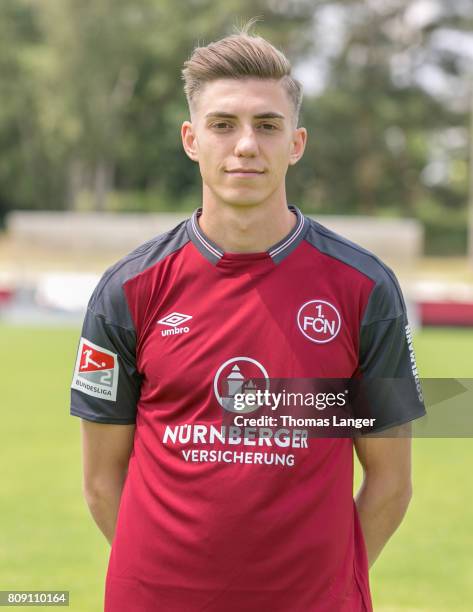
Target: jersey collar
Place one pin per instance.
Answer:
(277, 252)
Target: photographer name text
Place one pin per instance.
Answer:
(285, 420)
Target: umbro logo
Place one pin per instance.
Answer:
(174, 320)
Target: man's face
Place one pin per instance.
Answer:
(243, 137)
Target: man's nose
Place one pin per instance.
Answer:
(247, 144)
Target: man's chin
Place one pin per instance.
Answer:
(243, 199)
(244, 203)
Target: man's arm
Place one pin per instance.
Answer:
(106, 451)
(386, 490)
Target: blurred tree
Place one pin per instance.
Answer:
(89, 77)
(28, 174)
(392, 86)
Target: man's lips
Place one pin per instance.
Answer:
(244, 172)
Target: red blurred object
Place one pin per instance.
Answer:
(446, 313)
(5, 295)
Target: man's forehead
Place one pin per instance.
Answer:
(260, 98)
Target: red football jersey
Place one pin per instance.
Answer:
(219, 518)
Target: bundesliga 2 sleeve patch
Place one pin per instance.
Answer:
(96, 371)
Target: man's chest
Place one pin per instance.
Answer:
(275, 325)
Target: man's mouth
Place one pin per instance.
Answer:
(245, 172)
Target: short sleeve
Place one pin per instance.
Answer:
(387, 361)
(106, 385)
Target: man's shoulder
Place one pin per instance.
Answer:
(140, 259)
(386, 291)
(350, 253)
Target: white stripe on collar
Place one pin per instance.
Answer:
(207, 245)
(291, 238)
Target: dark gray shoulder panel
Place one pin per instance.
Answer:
(107, 299)
(386, 301)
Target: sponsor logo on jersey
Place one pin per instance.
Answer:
(96, 371)
(174, 321)
(239, 375)
(319, 321)
(412, 357)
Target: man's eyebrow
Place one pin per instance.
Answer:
(267, 115)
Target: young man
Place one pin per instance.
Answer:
(251, 518)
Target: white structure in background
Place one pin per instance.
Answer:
(49, 299)
(399, 241)
(68, 292)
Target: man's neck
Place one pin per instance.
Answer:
(246, 229)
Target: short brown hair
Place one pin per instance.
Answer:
(239, 56)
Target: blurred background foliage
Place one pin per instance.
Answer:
(92, 103)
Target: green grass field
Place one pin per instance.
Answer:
(49, 541)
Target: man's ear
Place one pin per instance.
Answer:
(298, 143)
(189, 140)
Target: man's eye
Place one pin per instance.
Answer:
(268, 126)
(221, 125)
